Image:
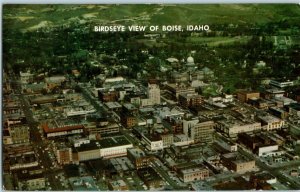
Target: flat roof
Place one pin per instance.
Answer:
(113, 105)
(114, 141)
(269, 119)
(88, 146)
(104, 143)
(193, 170)
(56, 126)
(136, 152)
(275, 91)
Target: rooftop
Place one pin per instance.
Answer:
(193, 170)
(104, 143)
(269, 119)
(113, 105)
(136, 152)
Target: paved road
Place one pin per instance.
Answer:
(36, 139)
(274, 171)
(158, 168)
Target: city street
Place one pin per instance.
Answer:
(39, 145)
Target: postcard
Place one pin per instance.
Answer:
(148, 97)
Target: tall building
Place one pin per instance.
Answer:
(199, 131)
(153, 92)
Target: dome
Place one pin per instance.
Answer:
(190, 60)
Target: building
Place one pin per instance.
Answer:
(294, 109)
(26, 77)
(30, 179)
(273, 93)
(182, 140)
(64, 155)
(57, 128)
(118, 185)
(282, 84)
(193, 174)
(114, 80)
(108, 96)
(270, 122)
(190, 100)
(113, 106)
(262, 180)
(114, 146)
(150, 178)
(43, 99)
(79, 110)
(233, 127)
(128, 120)
(105, 148)
(226, 144)
(234, 161)
(85, 183)
(294, 173)
(153, 92)
(255, 142)
(199, 131)
(266, 149)
(129, 108)
(54, 81)
(167, 140)
(19, 133)
(234, 184)
(278, 112)
(174, 123)
(245, 96)
(87, 151)
(102, 126)
(139, 158)
(22, 160)
(177, 89)
(153, 142)
(34, 88)
(261, 103)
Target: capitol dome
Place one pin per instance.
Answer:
(190, 60)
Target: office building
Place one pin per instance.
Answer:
(199, 131)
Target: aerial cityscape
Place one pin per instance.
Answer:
(151, 97)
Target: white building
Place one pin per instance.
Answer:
(83, 110)
(153, 143)
(25, 77)
(193, 174)
(226, 144)
(270, 122)
(114, 79)
(182, 140)
(116, 151)
(263, 151)
(106, 148)
(198, 131)
(281, 84)
(154, 93)
(233, 127)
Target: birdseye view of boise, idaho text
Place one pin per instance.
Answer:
(151, 97)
